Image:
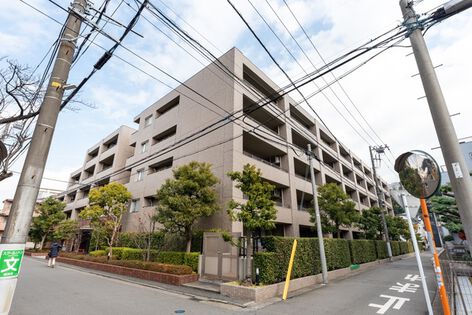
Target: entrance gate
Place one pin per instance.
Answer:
(220, 259)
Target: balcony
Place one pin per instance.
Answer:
(304, 201)
(302, 120)
(302, 171)
(261, 115)
(302, 142)
(330, 161)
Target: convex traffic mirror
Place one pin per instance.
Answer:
(419, 173)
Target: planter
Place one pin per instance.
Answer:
(34, 254)
(260, 294)
(131, 272)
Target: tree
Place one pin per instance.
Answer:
(107, 205)
(445, 208)
(21, 94)
(147, 226)
(187, 197)
(51, 213)
(397, 228)
(66, 230)
(338, 208)
(371, 223)
(258, 212)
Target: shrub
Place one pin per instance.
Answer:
(139, 240)
(381, 249)
(152, 266)
(410, 246)
(337, 253)
(173, 258)
(97, 253)
(268, 267)
(191, 260)
(362, 251)
(132, 254)
(448, 238)
(395, 248)
(403, 248)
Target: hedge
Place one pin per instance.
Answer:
(395, 247)
(381, 249)
(98, 253)
(337, 253)
(362, 251)
(137, 264)
(172, 258)
(340, 253)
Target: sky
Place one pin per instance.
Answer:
(385, 90)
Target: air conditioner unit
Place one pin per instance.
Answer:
(277, 159)
(277, 193)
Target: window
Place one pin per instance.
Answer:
(140, 175)
(144, 146)
(134, 205)
(148, 121)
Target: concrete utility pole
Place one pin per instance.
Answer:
(455, 163)
(319, 230)
(380, 200)
(16, 231)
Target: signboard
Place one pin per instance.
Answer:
(11, 256)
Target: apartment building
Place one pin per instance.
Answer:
(101, 163)
(273, 137)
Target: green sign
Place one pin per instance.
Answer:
(10, 262)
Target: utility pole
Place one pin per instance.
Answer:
(455, 163)
(16, 231)
(380, 200)
(319, 230)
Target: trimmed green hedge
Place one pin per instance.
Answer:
(172, 258)
(362, 251)
(395, 247)
(340, 253)
(381, 249)
(337, 253)
(98, 253)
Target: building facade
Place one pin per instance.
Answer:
(103, 164)
(272, 136)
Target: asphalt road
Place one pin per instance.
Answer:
(64, 290)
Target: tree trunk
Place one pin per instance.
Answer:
(249, 250)
(43, 239)
(189, 239)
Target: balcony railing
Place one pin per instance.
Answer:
(262, 160)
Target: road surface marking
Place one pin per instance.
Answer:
(396, 301)
(407, 287)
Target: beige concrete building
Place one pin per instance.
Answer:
(101, 163)
(273, 137)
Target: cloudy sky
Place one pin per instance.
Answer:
(383, 90)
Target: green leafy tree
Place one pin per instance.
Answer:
(66, 230)
(370, 222)
(258, 212)
(51, 213)
(397, 228)
(107, 205)
(187, 197)
(339, 209)
(445, 208)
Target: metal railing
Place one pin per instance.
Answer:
(456, 266)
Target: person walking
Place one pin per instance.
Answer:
(53, 253)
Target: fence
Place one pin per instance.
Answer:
(456, 266)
